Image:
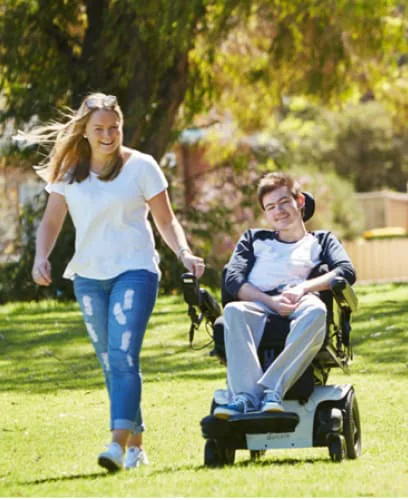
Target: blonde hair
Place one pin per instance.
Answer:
(70, 155)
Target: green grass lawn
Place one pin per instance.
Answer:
(54, 411)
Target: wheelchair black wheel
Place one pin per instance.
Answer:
(351, 426)
(256, 454)
(337, 448)
(216, 455)
(210, 453)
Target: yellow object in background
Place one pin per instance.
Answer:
(385, 232)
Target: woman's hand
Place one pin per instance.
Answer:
(47, 234)
(193, 263)
(41, 272)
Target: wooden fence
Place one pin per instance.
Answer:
(379, 260)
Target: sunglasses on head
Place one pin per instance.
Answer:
(107, 101)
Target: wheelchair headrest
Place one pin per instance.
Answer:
(309, 206)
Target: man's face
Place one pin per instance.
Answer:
(282, 210)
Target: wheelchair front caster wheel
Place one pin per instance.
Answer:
(337, 447)
(216, 455)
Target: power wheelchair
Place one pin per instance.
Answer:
(316, 414)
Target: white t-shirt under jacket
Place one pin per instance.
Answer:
(113, 234)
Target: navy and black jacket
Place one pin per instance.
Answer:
(242, 260)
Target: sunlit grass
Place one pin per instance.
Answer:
(54, 411)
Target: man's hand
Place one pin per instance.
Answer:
(282, 305)
(294, 294)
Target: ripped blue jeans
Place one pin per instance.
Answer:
(116, 312)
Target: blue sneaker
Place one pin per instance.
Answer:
(272, 402)
(241, 404)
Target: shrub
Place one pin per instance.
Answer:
(15, 277)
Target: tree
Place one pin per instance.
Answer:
(153, 54)
(361, 143)
(53, 52)
(331, 52)
(321, 84)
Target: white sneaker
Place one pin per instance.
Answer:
(112, 458)
(272, 402)
(135, 457)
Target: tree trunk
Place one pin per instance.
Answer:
(153, 137)
(89, 75)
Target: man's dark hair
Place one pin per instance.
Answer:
(275, 180)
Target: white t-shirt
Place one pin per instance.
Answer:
(279, 263)
(113, 234)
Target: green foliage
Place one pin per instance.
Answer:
(337, 208)
(360, 143)
(52, 53)
(170, 267)
(275, 71)
(368, 149)
(242, 54)
(328, 51)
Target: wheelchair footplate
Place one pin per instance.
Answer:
(263, 422)
(235, 429)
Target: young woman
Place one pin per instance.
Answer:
(109, 190)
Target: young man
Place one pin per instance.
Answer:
(268, 273)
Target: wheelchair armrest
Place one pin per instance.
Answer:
(344, 294)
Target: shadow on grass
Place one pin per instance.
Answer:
(379, 327)
(105, 474)
(246, 463)
(271, 462)
(73, 477)
(44, 347)
(182, 468)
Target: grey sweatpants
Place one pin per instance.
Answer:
(244, 323)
